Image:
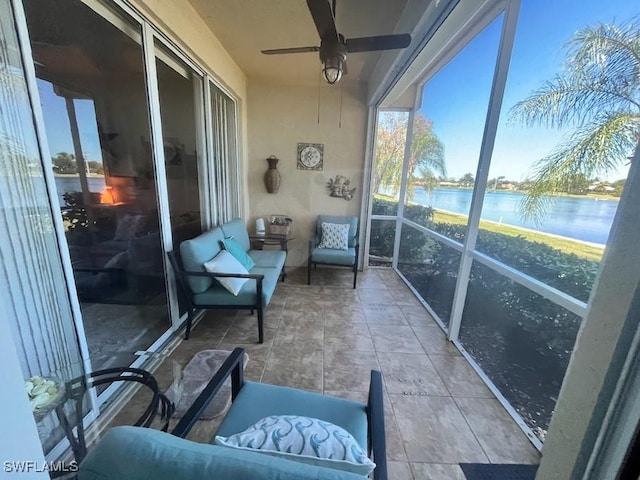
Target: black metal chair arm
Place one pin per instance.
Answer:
(99, 270)
(232, 366)
(255, 276)
(375, 421)
(313, 243)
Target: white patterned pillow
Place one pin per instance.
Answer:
(305, 440)
(224, 262)
(335, 236)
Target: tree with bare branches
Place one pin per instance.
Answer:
(425, 161)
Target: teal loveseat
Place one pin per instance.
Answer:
(201, 289)
(134, 453)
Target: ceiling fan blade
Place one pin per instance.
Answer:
(280, 51)
(380, 42)
(323, 18)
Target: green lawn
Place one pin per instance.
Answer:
(580, 249)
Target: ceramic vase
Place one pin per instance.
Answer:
(272, 177)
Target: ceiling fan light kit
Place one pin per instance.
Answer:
(333, 58)
(333, 46)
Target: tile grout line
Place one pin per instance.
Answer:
(277, 331)
(471, 429)
(386, 390)
(429, 359)
(324, 336)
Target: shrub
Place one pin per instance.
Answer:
(414, 244)
(565, 271)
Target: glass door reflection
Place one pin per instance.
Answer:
(91, 82)
(181, 92)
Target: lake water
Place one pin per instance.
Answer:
(585, 219)
(72, 184)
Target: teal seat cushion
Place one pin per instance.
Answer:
(268, 258)
(352, 221)
(338, 257)
(136, 453)
(218, 295)
(275, 400)
(198, 250)
(238, 230)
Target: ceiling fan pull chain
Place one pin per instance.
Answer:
(341, 92)
(319, 86)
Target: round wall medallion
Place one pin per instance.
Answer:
(310, 156)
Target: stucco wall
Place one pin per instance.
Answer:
(281, 116)
(183, 25)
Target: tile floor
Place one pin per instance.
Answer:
(327, 337)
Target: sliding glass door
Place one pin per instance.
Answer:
(182, 113)
(138, 148)
(91, 80)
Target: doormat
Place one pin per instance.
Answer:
(195, 377)
(494, 471)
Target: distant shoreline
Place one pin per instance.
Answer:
(75, 175)
(525, 229)
(591, 195)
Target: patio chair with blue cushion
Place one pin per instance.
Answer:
(270, 432)
(335, 243)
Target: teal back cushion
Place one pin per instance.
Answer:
(278, 400)
(198, 250)
(238, 230)
(232, 246)
(352, 221)
(134, 453)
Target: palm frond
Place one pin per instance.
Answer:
(611, 50)
(602, 74)
(563, 102)
(595, 149)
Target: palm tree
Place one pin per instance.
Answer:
(599, 95)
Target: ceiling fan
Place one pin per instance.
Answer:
(334, 47)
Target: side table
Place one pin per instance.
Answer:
(259, 241)
(75, 392)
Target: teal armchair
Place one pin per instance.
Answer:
(327, 256)
(133, 453)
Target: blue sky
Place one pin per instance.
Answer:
(56, 122)
(456, 98)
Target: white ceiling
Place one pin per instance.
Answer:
(244, 27)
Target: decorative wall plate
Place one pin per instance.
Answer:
(310, 156)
